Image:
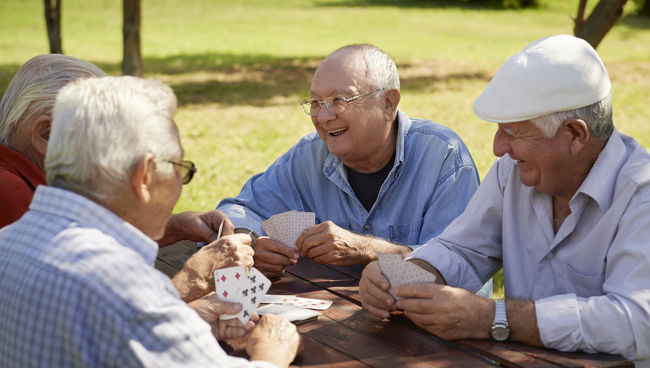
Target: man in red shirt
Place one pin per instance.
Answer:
(25, 119)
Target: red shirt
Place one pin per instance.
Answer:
(19, 178)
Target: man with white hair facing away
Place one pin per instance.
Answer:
(565, 211)
(77, 279)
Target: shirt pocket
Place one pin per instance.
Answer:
(407, 234)
(584, 284)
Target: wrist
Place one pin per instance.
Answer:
(272, 353)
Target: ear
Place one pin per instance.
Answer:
(142, 177)
(391, 101)
(578, 133)
(41, 133)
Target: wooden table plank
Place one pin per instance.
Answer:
(348, 328)
(348, 336)
(519, 355)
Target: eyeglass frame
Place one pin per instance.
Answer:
(307, 102)
(188, 166)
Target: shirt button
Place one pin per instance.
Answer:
(549, 256)
(366, 228)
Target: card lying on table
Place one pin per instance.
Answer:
(234, 285)
(309, 303)
(294, 314)
(398, 272)
(287, 227)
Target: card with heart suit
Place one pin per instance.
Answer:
(399, 272)
(234, 285)
(286, 227)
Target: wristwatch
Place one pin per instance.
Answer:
(500, 330)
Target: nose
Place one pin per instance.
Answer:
(501, 144)
(324, 115)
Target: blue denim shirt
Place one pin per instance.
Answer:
(432, 180)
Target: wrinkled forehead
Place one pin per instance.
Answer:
(344, 73)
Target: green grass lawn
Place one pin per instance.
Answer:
(239, 68)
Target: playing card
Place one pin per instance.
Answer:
(294, 314)
(235, 286)
(310, 303)
(399, 272)
(286, 227)
(227, 282)
(277, 299)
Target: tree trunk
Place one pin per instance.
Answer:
(132, 58)
(53, 23)
(580, 18)
(600, 21)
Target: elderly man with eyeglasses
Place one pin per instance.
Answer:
(78, 286)
(378, 181)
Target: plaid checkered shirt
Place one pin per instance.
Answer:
(78, 289)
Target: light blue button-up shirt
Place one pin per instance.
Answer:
(590, 281)
(78, 289)
(431, 181)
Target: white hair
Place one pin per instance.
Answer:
(103, 126)
(33, 89)
(597, 116)
(381, 71)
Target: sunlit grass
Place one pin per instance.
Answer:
(239, 68)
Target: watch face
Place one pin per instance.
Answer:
(500, 333)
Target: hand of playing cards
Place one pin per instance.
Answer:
(398, 272)
(234, 285)
(287, 227)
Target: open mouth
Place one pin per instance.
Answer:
(337, 132)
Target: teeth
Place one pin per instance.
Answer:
(337, 130)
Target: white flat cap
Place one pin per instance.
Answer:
(550, 75)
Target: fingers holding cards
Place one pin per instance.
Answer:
(234, 285)
(286, 227)
(398, 272)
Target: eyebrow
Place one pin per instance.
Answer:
(338, 92)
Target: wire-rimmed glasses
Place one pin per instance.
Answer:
(334, 104)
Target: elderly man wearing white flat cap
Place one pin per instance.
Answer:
(565, 210)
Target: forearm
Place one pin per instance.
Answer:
(523, 322)
(374, 246)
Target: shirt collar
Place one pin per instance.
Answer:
(23, 165)
(87, 213)
(599, 183)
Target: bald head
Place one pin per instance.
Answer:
(373, 65)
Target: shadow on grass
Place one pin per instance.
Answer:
(440, 4)
(255, 80)
(635, 21)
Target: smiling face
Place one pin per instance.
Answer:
(362, 136)
(544, 163)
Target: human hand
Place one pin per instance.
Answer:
(330, 244)
(445, 311)
(373, 290)
(272, 257)
(274, 339)
(196, 226)
(196, 278)
(210, 308)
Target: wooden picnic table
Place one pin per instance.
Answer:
(346, 335)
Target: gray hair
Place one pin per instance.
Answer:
(102, 127)
(598, 117)
(33, 89)
(381, 70)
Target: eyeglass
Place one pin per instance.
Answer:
(187, 169)
(334, 104)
